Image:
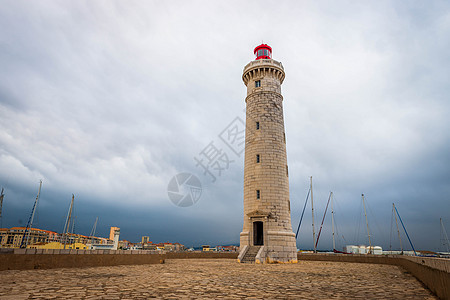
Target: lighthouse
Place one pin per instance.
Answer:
(267, 235)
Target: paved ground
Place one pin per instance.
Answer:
(221, 278)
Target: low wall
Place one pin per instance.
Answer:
(352, 258)
(73, 259)
(434, 273)
(207, 255)
(25, 259)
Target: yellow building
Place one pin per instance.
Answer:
(12, 237)
(58, 245)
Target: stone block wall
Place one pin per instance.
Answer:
(73, 259)
(25, 259)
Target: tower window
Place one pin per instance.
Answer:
(257, 83)
(257, 125)
(287, 171)
(257, 158)
(258, 194)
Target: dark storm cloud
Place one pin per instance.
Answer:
(109, 100)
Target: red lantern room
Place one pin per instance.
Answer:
(263, 51)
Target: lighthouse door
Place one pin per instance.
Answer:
(258, 236)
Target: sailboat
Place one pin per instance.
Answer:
(310, 192)
(444, 239)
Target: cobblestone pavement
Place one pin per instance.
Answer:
(221, 278)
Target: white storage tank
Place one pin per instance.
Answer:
(351, 249)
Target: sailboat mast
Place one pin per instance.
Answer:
(367, 224)
(312, 209)
(73, 224)
(398, 230)
(321, 224)
(1, 208)
(30, 221)
(67, 226)
(404, 228)
(332, 221)
(444, 235)
(93, 233)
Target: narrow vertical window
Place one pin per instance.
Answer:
(258, 194)
(257, 83)
(257, 158)
(284, 137)
(287, 171)
(257, 125)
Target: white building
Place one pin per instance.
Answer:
(362, 249)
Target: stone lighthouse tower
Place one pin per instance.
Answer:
(267, 233)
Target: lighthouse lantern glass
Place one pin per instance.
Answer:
(263, 51)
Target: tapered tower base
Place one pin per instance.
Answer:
(267, 235)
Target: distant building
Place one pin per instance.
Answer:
(124, 244)
(362, 249)
(46, 239)
(112, 232)
(145, 239)
(113, 236)
(179, 247)
(231, 248)
(207, 248)
(3, 234)
(12, 237)
(134, 246)
(58, 245)
(169, 247)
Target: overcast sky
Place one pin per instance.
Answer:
(109, 100)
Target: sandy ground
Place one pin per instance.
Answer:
(216, 278)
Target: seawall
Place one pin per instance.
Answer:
(434, 273)
(26, 259)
